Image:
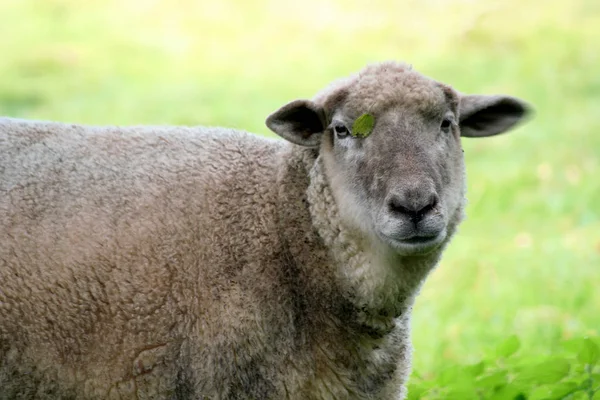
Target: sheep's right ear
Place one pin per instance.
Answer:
(301, 122)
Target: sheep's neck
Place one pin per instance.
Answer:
(380, 286)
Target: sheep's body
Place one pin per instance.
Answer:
(129, 264)
(198, 263)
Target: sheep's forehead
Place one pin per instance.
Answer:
(380, 87)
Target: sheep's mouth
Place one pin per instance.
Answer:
(419, 239)
(415, 244)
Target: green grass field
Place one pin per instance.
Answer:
(527, 260)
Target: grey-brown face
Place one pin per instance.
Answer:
(403, 184)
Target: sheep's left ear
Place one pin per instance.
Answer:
(301, 122)
(482, 116)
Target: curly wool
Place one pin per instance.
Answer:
(383, 85)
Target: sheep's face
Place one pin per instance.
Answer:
(398, 173)
(404, 182)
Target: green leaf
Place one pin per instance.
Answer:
(418, 388)
(589, 353)
(415, 392)
(563, 389)
(505, 393)
(475, 369)
(578, 396)
(550, 371)
(459, 390)
(573, 345)
(453, 376)
(494, 380)
(508, 347)
(463, 393)
(540, 393)
(363, 126)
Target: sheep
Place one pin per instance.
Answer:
(209, 263)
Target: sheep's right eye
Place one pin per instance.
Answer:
(446, 124)
(340, 130)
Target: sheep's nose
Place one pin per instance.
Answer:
(414, 205)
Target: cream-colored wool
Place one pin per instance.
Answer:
(193, 263)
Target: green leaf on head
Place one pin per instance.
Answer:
(363, 126)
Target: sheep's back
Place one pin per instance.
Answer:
(120, 242)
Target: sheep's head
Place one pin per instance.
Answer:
(390, 140)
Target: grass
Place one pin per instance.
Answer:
(525, 263)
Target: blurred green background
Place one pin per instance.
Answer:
(527, 260)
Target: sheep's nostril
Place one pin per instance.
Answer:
(429, 207)
(397, 206)
(415, 211)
